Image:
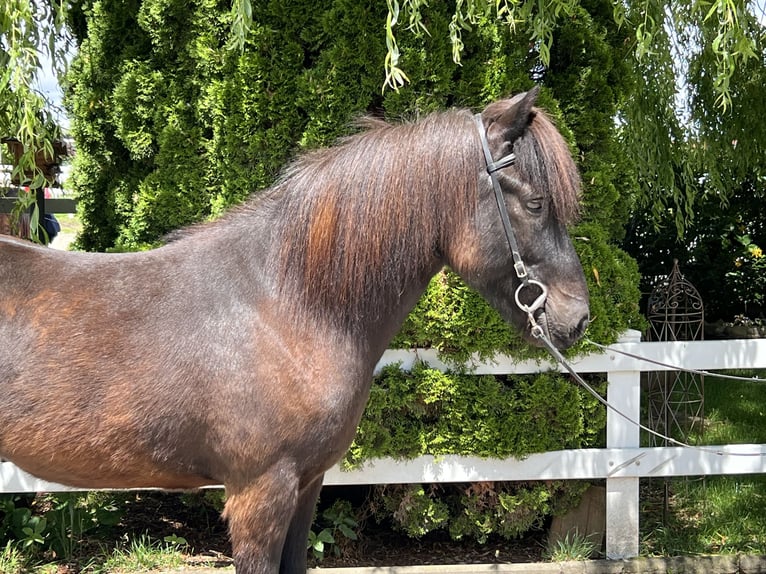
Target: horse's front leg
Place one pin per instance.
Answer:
(259, 515)
(294, 551)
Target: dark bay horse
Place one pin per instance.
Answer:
(242, 352)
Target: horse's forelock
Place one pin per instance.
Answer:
(545, 159)
(545, 156)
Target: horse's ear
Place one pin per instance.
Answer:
(514, 121)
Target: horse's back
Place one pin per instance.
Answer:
(16, 257)
(86, 368)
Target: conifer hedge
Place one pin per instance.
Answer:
(172, 127)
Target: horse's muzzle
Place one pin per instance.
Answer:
(561, 337)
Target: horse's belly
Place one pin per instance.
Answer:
(80, 449)
(81, 470)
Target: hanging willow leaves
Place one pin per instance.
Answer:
(700, 93)
(27, 31)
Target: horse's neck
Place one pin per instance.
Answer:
(382, 291)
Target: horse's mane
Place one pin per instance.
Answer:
(369, 213)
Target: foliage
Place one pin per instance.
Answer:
(55, 524)
(726, 25)
(20, 524)
(717, 253)
(317, 542)
(426, 411)
(748, 279)
(72, 515)
(26, 29)
(538, 20)
(337, 527)
(718, 134)
(457, 322)
(475, 510)
(613, 283)
(414, 510)
(29, 30)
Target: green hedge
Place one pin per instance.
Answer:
(171, 127)
(426, 411)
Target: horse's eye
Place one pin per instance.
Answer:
(535, 205)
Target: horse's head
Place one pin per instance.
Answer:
(538, 187)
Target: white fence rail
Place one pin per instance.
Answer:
(622, 463)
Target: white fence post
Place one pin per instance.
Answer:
(624, 394)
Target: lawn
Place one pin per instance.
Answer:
(721, 514)
(70, 227)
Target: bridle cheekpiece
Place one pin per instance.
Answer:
(518, 263)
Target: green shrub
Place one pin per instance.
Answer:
(426, 411)
(476, 510)
(334, 531)
(414, 509)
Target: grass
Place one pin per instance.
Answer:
(736, 410)
(721, 514)
(724, 515)
(11, 560)
(574, 546)
(69, 223)
(70, 227)
(140, 555)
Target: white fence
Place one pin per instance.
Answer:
(621, 463)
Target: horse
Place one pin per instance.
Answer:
(241, 352)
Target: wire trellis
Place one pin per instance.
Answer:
(675, 399)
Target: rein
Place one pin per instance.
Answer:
(538, 331)
(564, 363)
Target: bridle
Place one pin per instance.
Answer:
(518, 263)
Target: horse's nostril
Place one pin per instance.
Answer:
(582, 325)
